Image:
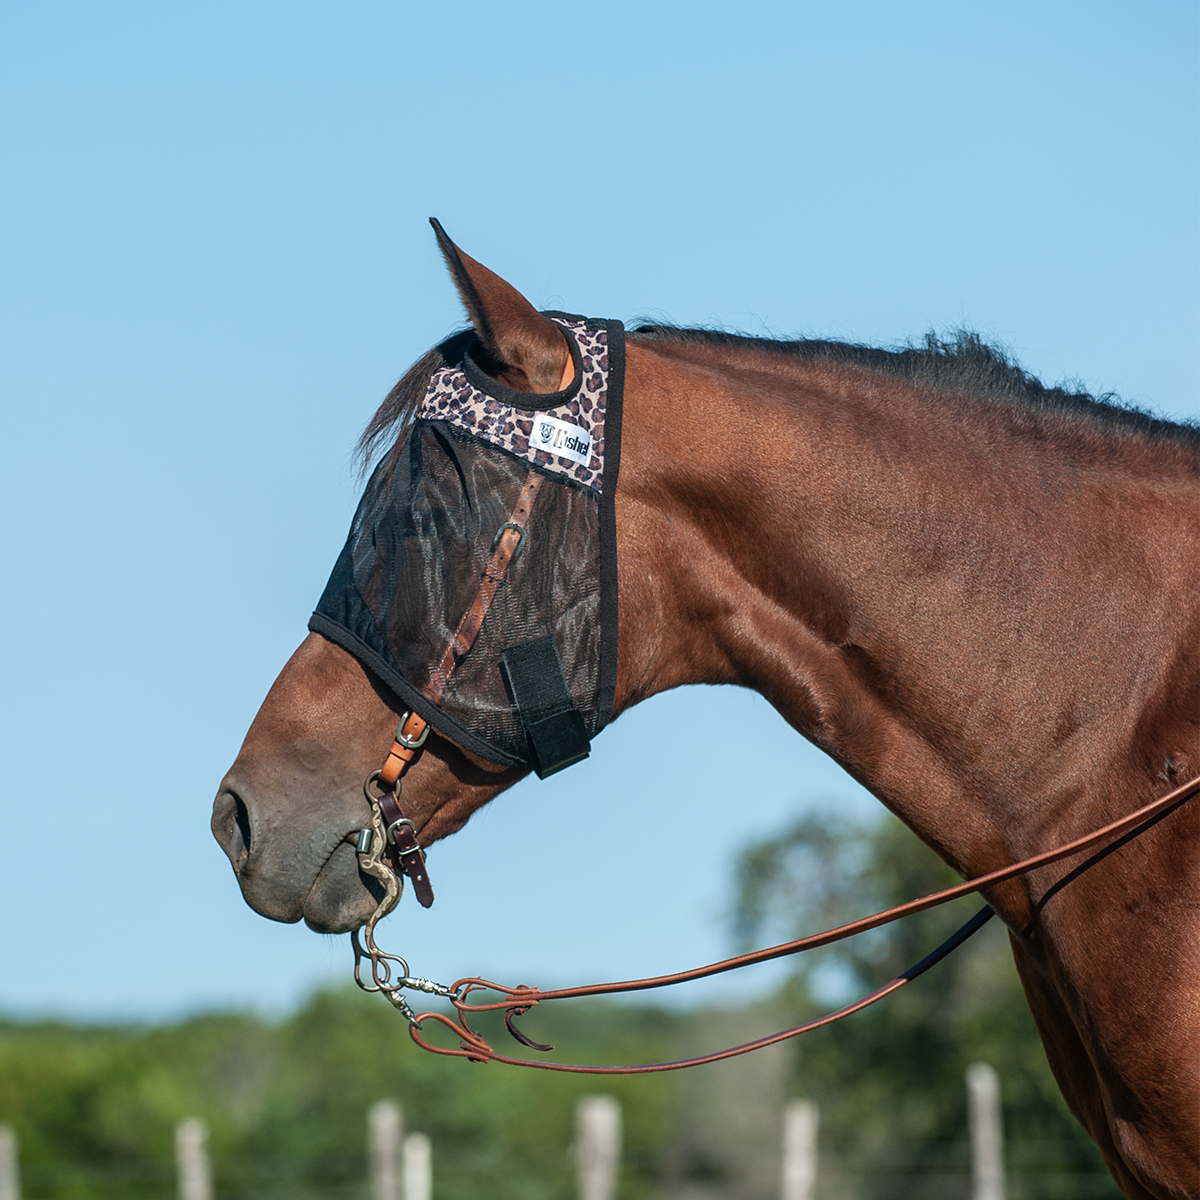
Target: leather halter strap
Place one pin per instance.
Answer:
(410, 737)
(509, 539)
(413, 729)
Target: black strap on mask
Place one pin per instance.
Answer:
(553, 726)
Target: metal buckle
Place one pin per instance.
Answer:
(410, 743)
(400, 821)
(522, 532)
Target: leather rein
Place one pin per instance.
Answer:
(390, 827)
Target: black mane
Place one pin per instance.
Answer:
(965, 364)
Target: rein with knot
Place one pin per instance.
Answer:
(516, 1001)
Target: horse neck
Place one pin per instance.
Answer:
(889, 570)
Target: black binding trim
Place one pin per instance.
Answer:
(411, 698)
(553, 725)
(606, 692)
(530, 401)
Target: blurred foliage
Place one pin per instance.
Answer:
(889, 1081)
(286, 1101)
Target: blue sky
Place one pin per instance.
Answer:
(216, 257)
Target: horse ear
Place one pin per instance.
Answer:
(524, 350)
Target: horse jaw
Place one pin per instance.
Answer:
(292, 803)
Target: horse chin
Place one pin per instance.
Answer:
(341, 897)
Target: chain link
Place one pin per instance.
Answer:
(374, 862)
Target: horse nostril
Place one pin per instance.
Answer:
(231, 827)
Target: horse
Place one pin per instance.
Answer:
(976, 593)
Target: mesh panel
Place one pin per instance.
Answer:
(412, 565)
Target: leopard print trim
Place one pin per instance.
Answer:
(453, 398)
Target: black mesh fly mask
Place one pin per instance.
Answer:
(537, 679)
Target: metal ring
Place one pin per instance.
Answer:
(403, 975)
(374, 775)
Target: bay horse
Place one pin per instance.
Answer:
(977, 594)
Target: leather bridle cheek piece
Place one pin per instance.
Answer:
(517, 700)
(382, 787)
(382, 790)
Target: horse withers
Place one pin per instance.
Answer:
(977, 594)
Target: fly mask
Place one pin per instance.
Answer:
(515, 663)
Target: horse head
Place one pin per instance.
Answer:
(289, 810)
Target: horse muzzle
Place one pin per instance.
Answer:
(305, 868)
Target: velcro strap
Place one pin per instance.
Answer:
(553, 726)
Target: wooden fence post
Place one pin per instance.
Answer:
(10, 1178)
(799, 1150)
(598, 1146)
(987, 1133)
(418, 1167)
(191, 1160)
(385, 1125)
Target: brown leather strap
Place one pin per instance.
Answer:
(413, 729)
(475, 1048)
(410, 737)
(404, 837)
(508, 542)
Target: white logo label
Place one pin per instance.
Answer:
(557, 437)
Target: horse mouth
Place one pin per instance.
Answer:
(318, 881)
(341, 897)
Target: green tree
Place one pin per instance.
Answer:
(889, 1080)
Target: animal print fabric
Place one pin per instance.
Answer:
(453, 398)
